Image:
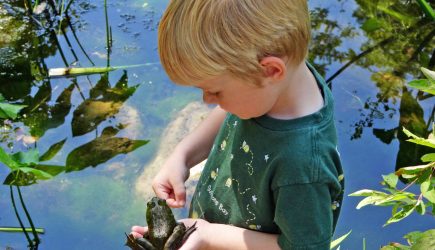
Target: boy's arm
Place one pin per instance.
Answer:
(168, 184)
(196, 146)
(222, 236)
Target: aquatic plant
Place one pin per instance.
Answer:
(9, 111)
(404, 202)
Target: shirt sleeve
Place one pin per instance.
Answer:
(303, 212)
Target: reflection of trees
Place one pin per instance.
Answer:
(399, 40)
(29, 39)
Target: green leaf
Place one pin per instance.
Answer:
(52, 151)
(10, 110)
(426, 241)
(395, 246)
(418, 140)
(371, 200)
(391, 180)
(8, 160)
(428, 190)
(339, 240)
(402, 214)
(28, 157)
(412, 170)
(428, 73)
(53, 170)
(26, 176)
(100, 150)
(371, 25)
(421, 208)
(367, 192)
(40, 174)
(428, 157)
(425, 85)
(412, 237)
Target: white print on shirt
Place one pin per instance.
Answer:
(251, 213)
(266, 157)
(246, 149)
(230, 181)
(254, 199)
(215, 201)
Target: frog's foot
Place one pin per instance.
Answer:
(145, 244)
(131, 242)
(189, 231)
(138, 244)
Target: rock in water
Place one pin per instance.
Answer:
(186, 120)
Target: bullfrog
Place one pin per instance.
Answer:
(164, 232)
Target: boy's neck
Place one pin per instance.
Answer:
(300, 94)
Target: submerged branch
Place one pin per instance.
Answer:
(20, 230)
(67, 72)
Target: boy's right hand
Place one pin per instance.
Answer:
(168, 184)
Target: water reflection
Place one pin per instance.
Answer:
(29, 37)
(398, 40)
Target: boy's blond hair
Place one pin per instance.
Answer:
(202, 39)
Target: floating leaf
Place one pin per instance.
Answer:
(10, 110)
(53, 170)
(29, 157)
(8, 160)
(52, 151)
(103, 104)
(41, 116)
(26, 176)
(100, 150)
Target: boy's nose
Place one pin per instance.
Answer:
(209, 98)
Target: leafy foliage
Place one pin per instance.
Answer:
(404, 203)
(26, 168)
(9, 111)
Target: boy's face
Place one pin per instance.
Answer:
(239, 97)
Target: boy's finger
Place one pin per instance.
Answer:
(136, 235)
(139, 229)
(180, 197)
(161, 192)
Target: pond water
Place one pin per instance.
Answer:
(93, 207)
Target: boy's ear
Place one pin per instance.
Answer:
(273, 67)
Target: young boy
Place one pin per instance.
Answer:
(273, 178)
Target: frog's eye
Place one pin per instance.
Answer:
(162, 202)
(151, 204)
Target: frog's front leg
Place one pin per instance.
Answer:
(179, 236)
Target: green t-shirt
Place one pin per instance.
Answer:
(275, 176)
